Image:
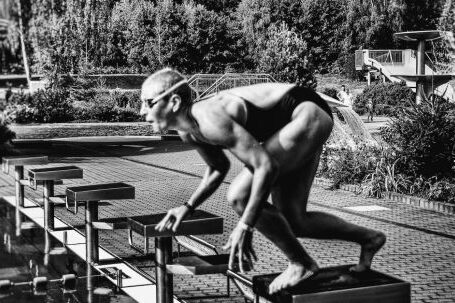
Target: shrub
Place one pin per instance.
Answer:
(126, 99)
(385, 178)
(6, 135)
(331, 92)
(423, 136)
(20, 113)
(348, 165)
(46, 106)
(386, 97)
(68, 104)
(52, 106)
(442, 191)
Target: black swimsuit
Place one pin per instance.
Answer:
(263, 123)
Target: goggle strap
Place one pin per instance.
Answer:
(166, 92)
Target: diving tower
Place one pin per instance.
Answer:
(408, 65)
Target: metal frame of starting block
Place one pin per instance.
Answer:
(91, 195)
(19, 162)
(199, 223)
(48, 176)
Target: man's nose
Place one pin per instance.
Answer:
(143, 110)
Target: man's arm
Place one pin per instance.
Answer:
(263, 167)
(217, 167)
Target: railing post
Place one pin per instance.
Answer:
(163, 255)
(48, 191)
(18, 176)
(91, 215)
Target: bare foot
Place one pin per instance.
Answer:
(368, 251)
(293, 275)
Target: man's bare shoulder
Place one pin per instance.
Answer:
(215, 121)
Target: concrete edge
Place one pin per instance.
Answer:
(441, 207)
(49, 142)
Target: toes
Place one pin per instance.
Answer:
(275, 285)
(358, 268)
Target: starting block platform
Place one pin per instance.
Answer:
(338, 284)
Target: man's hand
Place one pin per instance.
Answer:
(241, 241)
(172, 219)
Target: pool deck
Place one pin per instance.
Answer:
(420, 246)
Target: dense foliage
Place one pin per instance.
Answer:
(70, 104)
(285, 56)
(418, 157)
(423, 136)
(210, 36)
(386, 97)
(6, 135)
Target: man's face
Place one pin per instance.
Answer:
(156, 111)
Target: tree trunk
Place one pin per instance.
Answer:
(24, 53)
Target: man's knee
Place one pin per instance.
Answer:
(237, 200)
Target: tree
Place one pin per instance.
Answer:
(285, 56)
(317, 25)
(447, 20)
(211, 46)
(9, 36)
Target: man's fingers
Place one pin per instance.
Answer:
(232, 257)
(176, 225)
(164, 222)
(242, 269)
(253, 253)
(249, 259)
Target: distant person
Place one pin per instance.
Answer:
(348, 99)
(277, 131)
(8, 92)
(370, 109)
(342, 94)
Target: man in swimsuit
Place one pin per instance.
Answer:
(277, 130)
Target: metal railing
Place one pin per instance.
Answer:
(386, 57)
(383, 56)
(206, 84)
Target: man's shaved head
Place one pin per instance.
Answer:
(162, 80)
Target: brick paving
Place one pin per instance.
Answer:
(419, 249)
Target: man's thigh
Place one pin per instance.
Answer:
(291, 191)
(301, 139)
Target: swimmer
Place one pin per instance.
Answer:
(277, 130)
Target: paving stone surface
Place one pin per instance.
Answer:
(420, 247)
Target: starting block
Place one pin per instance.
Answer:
(19, 162)
(91, 195)
(337, 284)
(199, 223)
(48, 175)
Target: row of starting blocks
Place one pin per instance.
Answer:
(334, 284)
(144, 226)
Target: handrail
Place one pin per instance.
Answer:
(219, 79)
(379, 67)
(215, 84)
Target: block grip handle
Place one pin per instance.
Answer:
(73, 209)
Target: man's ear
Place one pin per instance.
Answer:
(176, 102)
